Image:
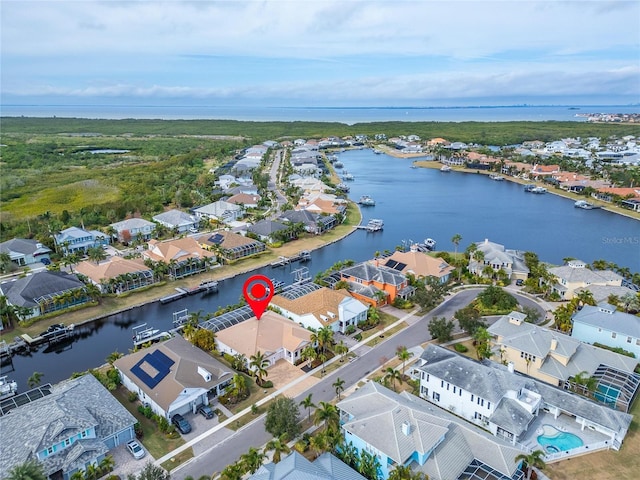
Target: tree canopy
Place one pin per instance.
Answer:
(282, 418)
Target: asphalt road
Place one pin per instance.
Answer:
(254, 434)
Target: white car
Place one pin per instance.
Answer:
(136, 449)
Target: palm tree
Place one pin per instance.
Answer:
(5, 262)
(279, 446)
(30, 470)
(456, 239)
(342, 349)
(259, 365)
(308, 404)
(339, 386)
(531, 461)
(113, 356)
(235, 471)
(319, 443)
(404, 472)
(34, 380)
(404, 355)
(96, 254)
(252, 460)
(392, 374)
(328, 414)
(106, 464)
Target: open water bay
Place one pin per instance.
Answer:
(414, 204)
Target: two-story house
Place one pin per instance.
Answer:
(23, 251)
(177, 221)
(575, 275)
(604, 324)
(496, 257)
(316, 307)
(404, 430)
(420, 265)
(220, 211)
(65, 427)
(376, 284)
(515, 407)
(78, 240)
(134, 229)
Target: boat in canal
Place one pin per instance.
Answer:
(8, 388)
(529, 187)
(585, 205)
(496, 177)
(539, 190)
(366, 201)
(445, 168)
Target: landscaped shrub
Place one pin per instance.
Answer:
(350, 330)
(460, 348)
(267, 384)
(133, 396)
(146, 411)
(358, 337)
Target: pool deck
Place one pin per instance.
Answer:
(563, 423)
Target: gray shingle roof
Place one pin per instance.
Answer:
(24, 291)
(369, 272)
(266, 227)
(176, 218)
(297, 467)
(620, 322)
(23, 246)
(73, 406)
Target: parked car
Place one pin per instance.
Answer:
(205, 411)
(519, 282)
(45, 261)
(181, 423)
(136, 449)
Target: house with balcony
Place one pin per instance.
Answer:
(557, 359)
(173, 376)
(512, 406)
(376, 285)
(404, 430)
(275, 336)
(134, 229)
(23, 251)
(78, 240)
(605, 325)
(497, 258)
(575, 275)
(315, 307)
(65, 427)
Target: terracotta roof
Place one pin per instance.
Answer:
(266, 335)
(111, 268)
(229, 240)
(179, 250)
(244, 199)
(421, 264)
(320, 303)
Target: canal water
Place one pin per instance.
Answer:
(415, 204)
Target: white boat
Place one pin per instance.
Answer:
(343, 187)
(366, 201)
(376, 151)
(348, 176)
(496, 177)
(584, 204)
(430, 243)
(8, 388)
(445, 168)
(538, 190)
(338, 165)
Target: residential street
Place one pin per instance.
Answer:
(237, 443)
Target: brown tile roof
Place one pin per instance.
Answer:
(244, 199)
(112, 268)
(421, 264)
(266, 335)
(318, 303)
(230, 240)
(183, 373)
(179, 250)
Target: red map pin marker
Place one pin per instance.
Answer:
(258, 292)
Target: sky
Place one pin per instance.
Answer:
(320, 53)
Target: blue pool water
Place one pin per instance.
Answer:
(607, 394)
(554, 440)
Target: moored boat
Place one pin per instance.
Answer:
(496, 177)
(529, 187)
(366, 201)
(538, 190)
(445, 168)
(343, 187)
(8, 388)
(584, 205)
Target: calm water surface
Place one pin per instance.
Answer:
(414, 204)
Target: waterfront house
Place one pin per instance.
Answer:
(404, 430)
(420, 265)
(575, 275)
(118, 274)
(556, 358)
(375, 284)
(605, 325)
(544, 170)
(315, 307)
(134, 229)
(177, 221)
(173, 377)
(231, 246)
(184, 256)
(275, 336)
(497, 258)
(24, 251)
(220, 211)
(65, 427)
(313, 223)
(78, 240)
(44, 292)
(296, 466)
(266, 229)
(514, 407)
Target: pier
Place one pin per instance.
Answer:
(374, 225)
(180, 293)
(143, 334)
(303, 256)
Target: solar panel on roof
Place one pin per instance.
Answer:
(217, 238)
(159, 361)
(390, 263)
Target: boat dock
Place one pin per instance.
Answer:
(374, 225)
(303, 256)
(180, 293)
(143, 334)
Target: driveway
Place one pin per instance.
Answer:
(125, 464)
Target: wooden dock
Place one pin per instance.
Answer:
(374, 225)
(303, 256)
(143, 334)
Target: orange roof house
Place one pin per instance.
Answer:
(545, 169)
(375, 284)
(184, 256)
(420, 265)
(118, 274)
(438, 141)
(273, 335)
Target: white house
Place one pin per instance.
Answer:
(177, 220)
(513, 406)
(134, 229)
(316, 307)
(220, 210)
(498, 258)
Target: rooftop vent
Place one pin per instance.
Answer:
(406, 428)
(204, 373)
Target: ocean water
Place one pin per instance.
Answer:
(347, 115)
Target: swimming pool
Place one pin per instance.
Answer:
(607, 394)
(554, 440)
